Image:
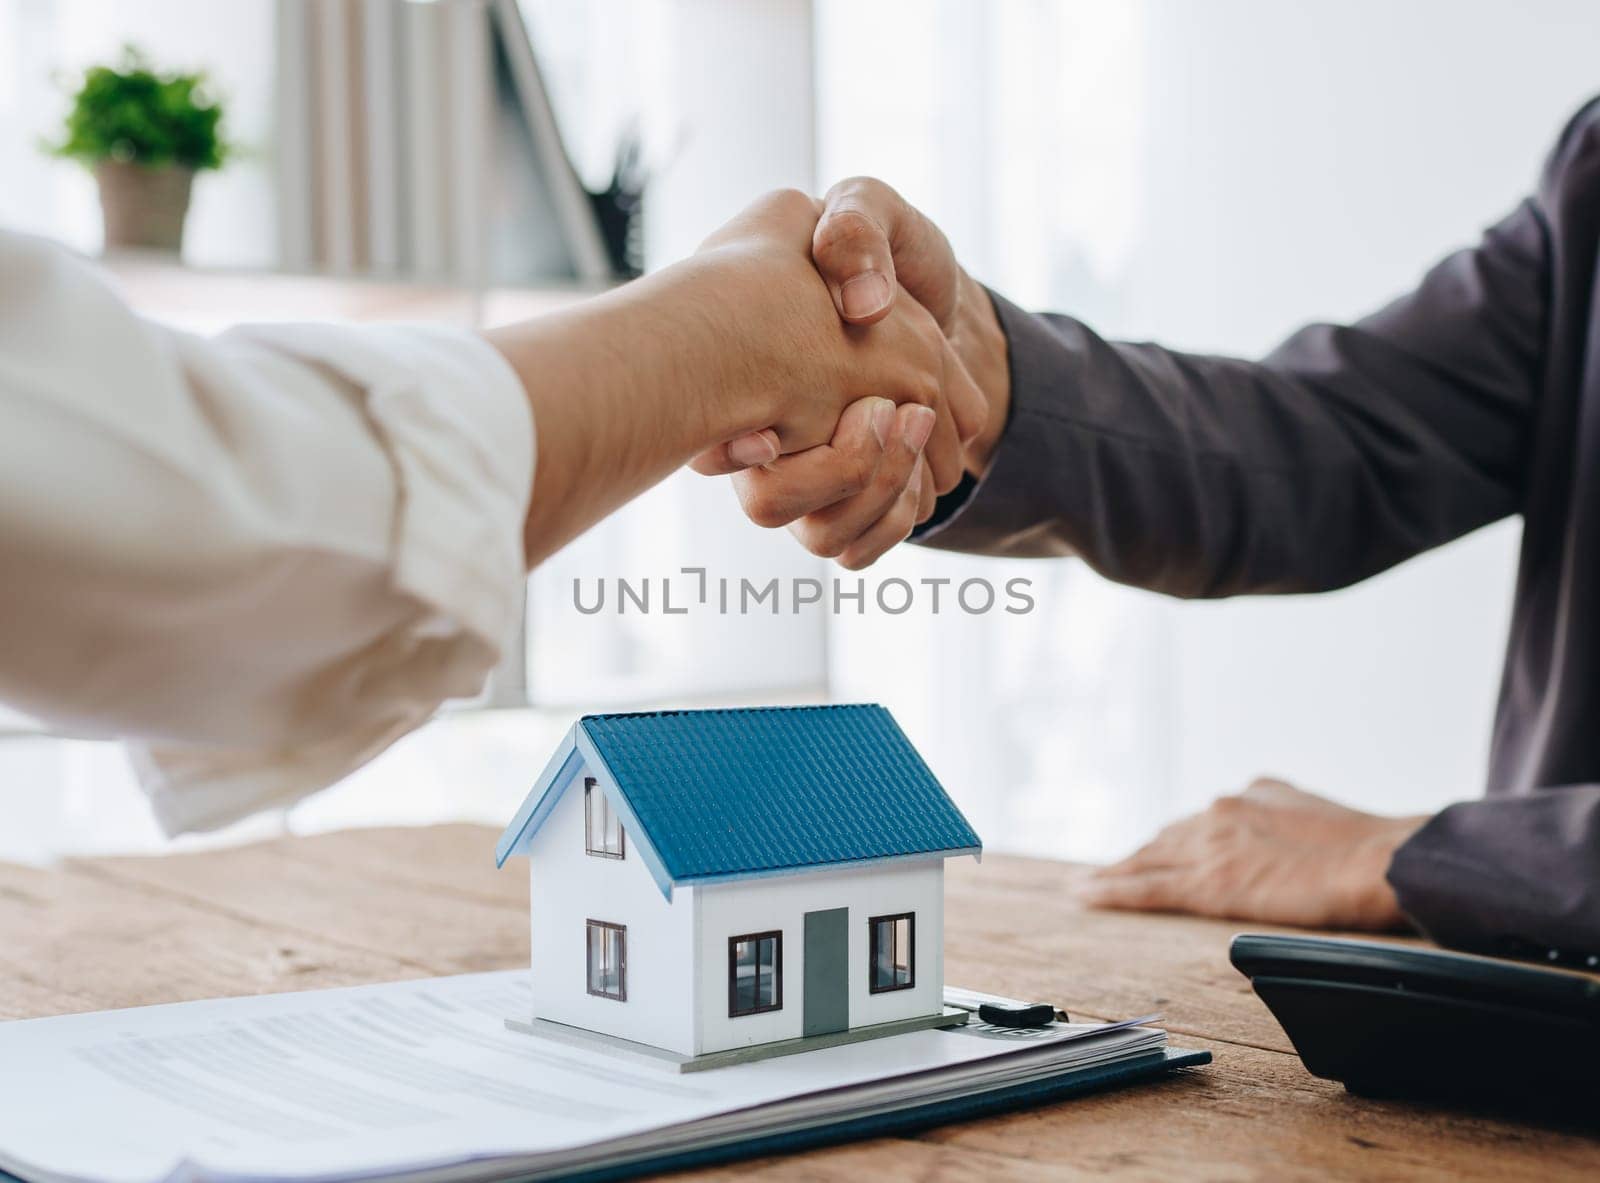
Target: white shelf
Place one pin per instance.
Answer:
(207, 301)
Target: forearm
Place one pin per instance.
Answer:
(626, 388)
(1346, 450)
(267, 554)
(1508, 875)
(1206, 476)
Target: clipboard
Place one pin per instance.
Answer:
(919, 1117)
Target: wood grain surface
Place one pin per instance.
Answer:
(382, 905)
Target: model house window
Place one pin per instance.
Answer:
(608, 960)
(891, 944)
(602, 829)
(755, 973)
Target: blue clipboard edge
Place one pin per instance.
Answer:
(903, 1121)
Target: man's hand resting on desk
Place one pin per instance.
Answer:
(858, 496)
(1273, 854)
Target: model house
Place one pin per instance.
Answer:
(708, 881)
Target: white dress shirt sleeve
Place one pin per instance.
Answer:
(263, 557)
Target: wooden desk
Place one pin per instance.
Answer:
(380, 905)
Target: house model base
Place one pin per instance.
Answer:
(611, 1044)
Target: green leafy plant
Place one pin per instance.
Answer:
(130, 113)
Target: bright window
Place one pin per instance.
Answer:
(608, 960)
(755, 973)
(891, 952)
(602, 829)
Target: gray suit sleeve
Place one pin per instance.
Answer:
(1507, 875)
(1346, 450)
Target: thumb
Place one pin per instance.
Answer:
(852, 250)
(870, 241)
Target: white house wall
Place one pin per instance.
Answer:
(781, 902)
(568, 887)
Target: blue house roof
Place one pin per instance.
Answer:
(727, 794)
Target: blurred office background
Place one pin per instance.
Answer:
(1207, 174)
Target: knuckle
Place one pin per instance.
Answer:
(787, 200)
(893, 482)
(821, 541)
(860, 472)
(860, 186)
(847, 230)
(768, 516)
(894, 528)
(858, 560)
(879, 188)
(761, 505)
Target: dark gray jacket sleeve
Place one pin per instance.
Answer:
(1513, 875)
(1345, 451)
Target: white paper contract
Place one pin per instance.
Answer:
(422, 1079)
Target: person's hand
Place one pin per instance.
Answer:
(1272, 854)
(872, 248)
(870, 245)
(799, 366)
(740, 338)
(871, 476)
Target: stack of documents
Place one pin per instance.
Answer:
(422, 1080)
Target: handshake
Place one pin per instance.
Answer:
(868, 370)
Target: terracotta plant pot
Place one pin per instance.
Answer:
(143, 207)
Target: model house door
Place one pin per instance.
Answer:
(827, 975)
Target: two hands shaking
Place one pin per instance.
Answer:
(924, 327)
(931, 382)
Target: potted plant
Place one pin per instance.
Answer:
(144, 135)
